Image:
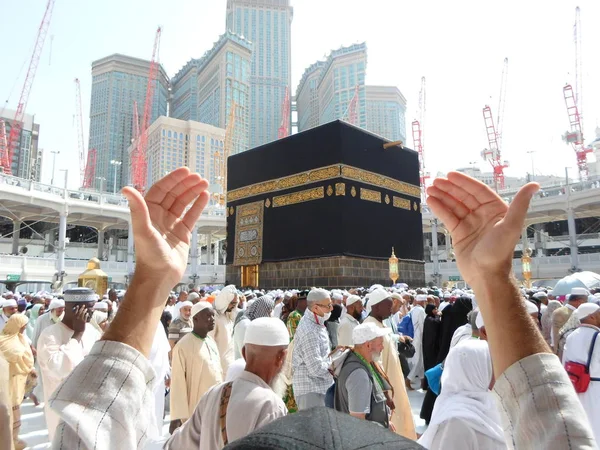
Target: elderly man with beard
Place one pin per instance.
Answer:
(183, 324)
(231, 410)
(196, 365)
(9, 307)
(350, 321)
(64, 345)
(225, 307)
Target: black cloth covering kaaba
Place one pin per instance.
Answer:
(332, 190)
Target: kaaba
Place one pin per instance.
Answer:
(324, 207)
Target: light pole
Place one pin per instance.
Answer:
(66, 171)
(54, 153)
(115, 164)
(530, 153)
(101, 180)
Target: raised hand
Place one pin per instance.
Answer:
(483, 227)
(161, 231)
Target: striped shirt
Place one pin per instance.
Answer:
(310, 358)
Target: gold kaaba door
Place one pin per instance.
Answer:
(250, 276)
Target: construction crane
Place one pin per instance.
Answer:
(90, 169)
(574, 104)
(284, 128)
(418, 128)
(351, 114)
(4, 160)
(139, 164)
(493, 154)
(79, 122)
(220, 158)
(17, 125)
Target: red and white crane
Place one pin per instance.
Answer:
(17, 125)
(139, 163)
(87, 160)
(418, 135)
(574, 104)
(353, 107)
(284, 128)
(493, 153)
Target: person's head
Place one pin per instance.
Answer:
(532, 310)
(16, 324)
(261, 307)
(578, 296)
(265, 348)
(171, 300)
(541, 297)
(396, 303)
(37, 310)
(480, 325)
(203, 317)
(193, 297)
(337, 298)
(354, 306)
(319, 302)
(37, 299)
(202, 293)
(75, 299)
(21, 305)
(226, 300)
(185, 310)
(421, 300)
(380, 304)
(57, 308)
(112, 295)
(589, 314)
(183, 295)
(302, 302)
(468, 368)
(101, 306)
(431, 311)
(368, 340)
(336, 313)
(9, 307)
(166, 319)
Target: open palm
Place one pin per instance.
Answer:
(161, 233)
(483, 227)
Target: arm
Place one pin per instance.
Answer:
(188, 434)
(59, 360)
(485, 231)
(162, 235)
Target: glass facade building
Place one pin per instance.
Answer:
(183, 103)
(386, 112)
(118, 81)
(267, 24)
(26, 160)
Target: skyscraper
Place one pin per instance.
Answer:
(386, 111)
(327, 88)
(118, 81)
(267, 24)
(173, 143)
(223, 78)
(184, 92)
(26, 160)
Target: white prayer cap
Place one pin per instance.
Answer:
(352, 299)
(56, 303)
(225, 297)
(193, 296)
(103, 306)
(377, 296)
(105, 297)
(421, 298)
(247, 293)
(479, 320)
(443, 306)
(200, 306)
(79, 295)
(447, 295)
(338, 297)
(579, 291)
(374, 287)
(184, 304)
(268, 332)
(585, 310)
(9, 303)
(366, 332)
(317, 294)
(540, 294)
(531, 307)
(396, 296)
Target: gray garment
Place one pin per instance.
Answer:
(310, 400)
(359, 395)
(332, 330)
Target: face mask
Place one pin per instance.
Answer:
(326, 316)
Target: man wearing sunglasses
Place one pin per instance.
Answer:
(310, 358)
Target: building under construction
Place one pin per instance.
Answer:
(27, 156)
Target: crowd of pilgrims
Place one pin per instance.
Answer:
(357, 351)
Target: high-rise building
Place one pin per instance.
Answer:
(184, 92)
(267, 24)
(386, 111)
(327, 88)
(26, 160)
(118, 81)
(173, 143)
(223, 78)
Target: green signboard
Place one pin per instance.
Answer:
(13, 277)
(454, 278)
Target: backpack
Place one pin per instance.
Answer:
(579, 374)
(406, 326)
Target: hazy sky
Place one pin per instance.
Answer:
(458, 46)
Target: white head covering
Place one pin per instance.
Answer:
(466, 379)
(102, 306)
(366, 332)
(9, 303)
(352, 299)
(200, 306)
(531, 307)
(579, 291)
(268, 332)
(421, 298)
(225, 297)
(193, 296)
(585, 310)
(56, 303)
(377, 296)
(374, 287)
(479, 320)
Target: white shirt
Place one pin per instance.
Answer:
(277, 310)
(347, 325)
